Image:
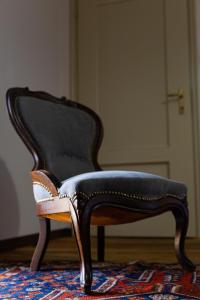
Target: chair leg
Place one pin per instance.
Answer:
(100, 243)
(181, 216)
(86, 271)
(82, 235)
(41, 244)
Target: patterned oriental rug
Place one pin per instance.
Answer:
(135, 281)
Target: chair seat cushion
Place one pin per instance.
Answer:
(139, 185)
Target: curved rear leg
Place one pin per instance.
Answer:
(181, 216)
(41, 244)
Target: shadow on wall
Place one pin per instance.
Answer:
(9, 206)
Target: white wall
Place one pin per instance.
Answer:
(34, 52)
(197, 44)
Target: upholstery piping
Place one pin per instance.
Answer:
(132, 196)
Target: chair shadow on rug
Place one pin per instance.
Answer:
(64, 138)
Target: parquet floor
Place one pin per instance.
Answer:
(117, 250)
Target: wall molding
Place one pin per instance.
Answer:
(111, 2)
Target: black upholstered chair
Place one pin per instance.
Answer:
(63, 138)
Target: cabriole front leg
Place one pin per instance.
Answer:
(181, 216)
(86, 272)
(41, 244)
(81, 226)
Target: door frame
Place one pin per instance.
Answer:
(73, 48)
(195, 98)
(195, 93)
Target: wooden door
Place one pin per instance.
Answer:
(133, 67)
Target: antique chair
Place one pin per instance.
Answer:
(64, 137)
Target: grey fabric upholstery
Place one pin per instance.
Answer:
(64, 135)
(144, 186)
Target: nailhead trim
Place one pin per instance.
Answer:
(44, 186)
(131, 196)
(64, 196)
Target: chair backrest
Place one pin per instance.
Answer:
(63, 136)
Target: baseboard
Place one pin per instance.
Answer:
(31, 239)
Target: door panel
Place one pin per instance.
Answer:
(132, 54)
(133, 62)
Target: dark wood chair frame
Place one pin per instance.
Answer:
(89, 212)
